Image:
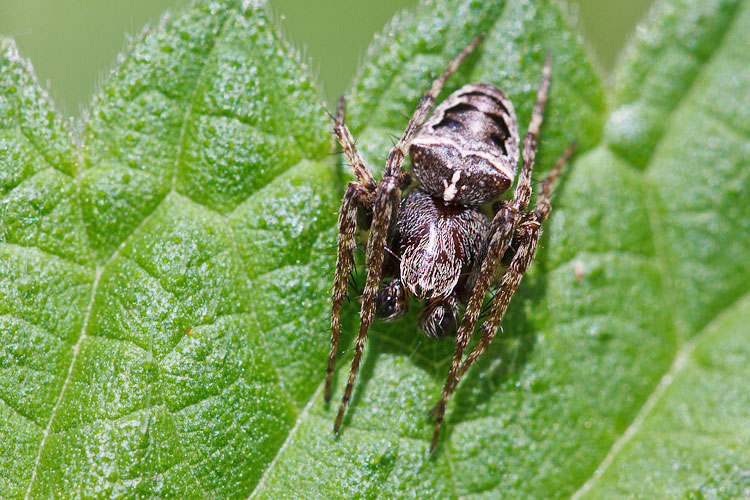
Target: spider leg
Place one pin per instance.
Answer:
(387, 196)
(399, 151)
(356, 196)
(527, 236)
(543, 206)
(350, 150)
(384, 211)
(523, 187)
(502, 230)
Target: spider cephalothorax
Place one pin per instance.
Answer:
(435, 244)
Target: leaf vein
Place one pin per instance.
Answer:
(661, 257)
(76, 350)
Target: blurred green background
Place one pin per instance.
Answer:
(73, 43)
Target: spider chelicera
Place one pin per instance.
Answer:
(436, 244)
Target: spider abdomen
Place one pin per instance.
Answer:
(467, 151)
(438, 243)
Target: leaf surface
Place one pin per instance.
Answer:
(138, 267)
(610, 303)
(164, 279)
(681, 116)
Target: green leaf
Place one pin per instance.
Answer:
(681, 118)
(692, 439)
(599, 320)
(526, 409)
(138, 265)
(165, 271)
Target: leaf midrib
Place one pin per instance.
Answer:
(100, 270)
(76, 350)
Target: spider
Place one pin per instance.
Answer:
(435, 243)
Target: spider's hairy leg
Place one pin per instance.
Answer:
(522, 193)
(543, 206)
(387, 197)
(503, 228)
(503, 224)
(399, 151)
(350, 150)
(357, 196)
(527, 237)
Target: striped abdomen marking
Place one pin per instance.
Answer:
(467, 152)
